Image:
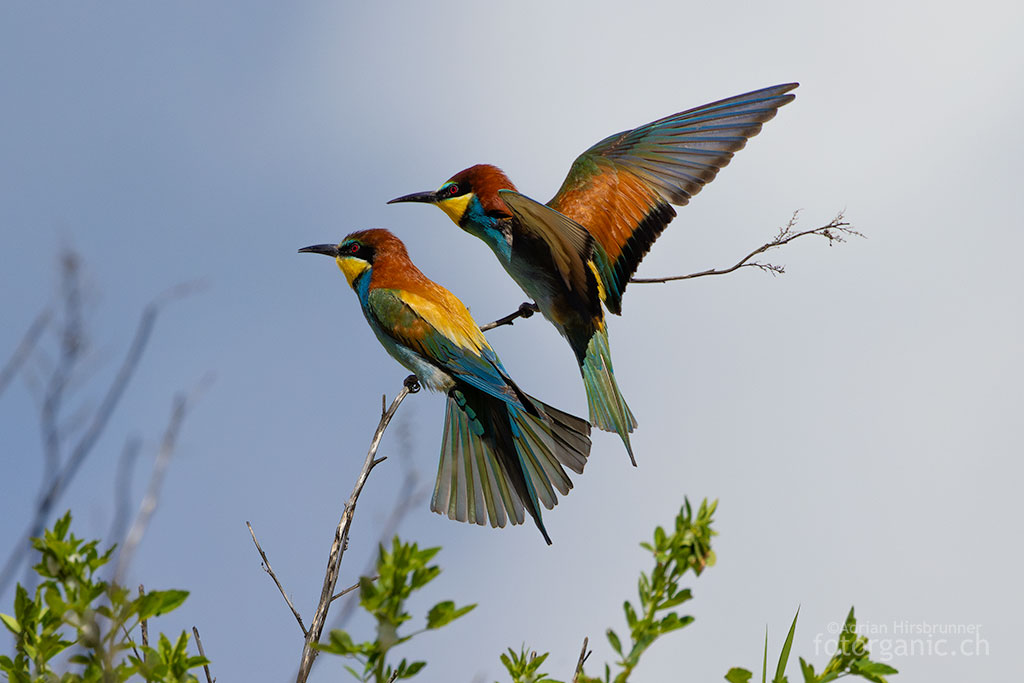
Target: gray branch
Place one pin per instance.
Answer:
(309, 653)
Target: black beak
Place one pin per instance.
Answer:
(424, 197)
(325, 249)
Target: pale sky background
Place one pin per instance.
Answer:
(856, 417)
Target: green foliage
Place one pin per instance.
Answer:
(73, 607)
(523, 666)
(852, 658)
(401, 571)
(686, 548)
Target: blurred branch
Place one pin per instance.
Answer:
(123, 489)
(152, 497)
(57, 477)
(24, 348)
(309, 653)
(837, 230)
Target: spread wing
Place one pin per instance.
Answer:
(441, 330)
(622, 188)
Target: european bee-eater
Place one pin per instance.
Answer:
(582, 247)
(502, 450)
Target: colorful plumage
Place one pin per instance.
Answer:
(502, 450)
(582, 247)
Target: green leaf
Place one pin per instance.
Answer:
(444, 613)
(158, 602)
(630, 614)
(614, 640)
(11, 623)
(808, 671)
(61, 526)
(413, 669)
(873, 671)
(340, 644)
(679, 598)
(784, 656)
(738, 675)
(764, 664)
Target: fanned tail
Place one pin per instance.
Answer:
(497, 460)
(608, 409)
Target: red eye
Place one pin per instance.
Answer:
(453, 190)
(353, 249)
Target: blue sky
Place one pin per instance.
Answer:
(856, 417)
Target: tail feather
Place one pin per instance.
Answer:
(497, 460)
(608, 409)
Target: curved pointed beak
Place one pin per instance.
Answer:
(423, 197)
(325, 249)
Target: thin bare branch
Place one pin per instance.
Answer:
(309, 653)
(56, 483)
(24, 348)
(149, 502)
(128, 637)
(837, 230)
(270, 570)
(584, 655)
(409, 496)
(353, 587)
(123, 490)
(144, 624)
(202, 653)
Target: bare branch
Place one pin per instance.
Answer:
(123, 489)
(199, 644)
(24, 348)
(409, 496)
(584, 655)
(837, 230)
(144, 624)
(56, 483)
(270, 570)
(309, 653)
(150, 500)
(353, 587)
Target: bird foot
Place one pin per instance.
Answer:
(527, 308)
(412, 384)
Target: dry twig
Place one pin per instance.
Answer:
(202, 653)
(309, 653)
(584, 655)
(152, 497)
(24, 349)
(270, 570)
(59, 476)
(836, 230)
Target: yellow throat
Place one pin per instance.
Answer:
(456, 206)
(352, 267)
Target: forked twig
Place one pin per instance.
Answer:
(270, 570)
(309, 653)
(835, 230)
(584, 655)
